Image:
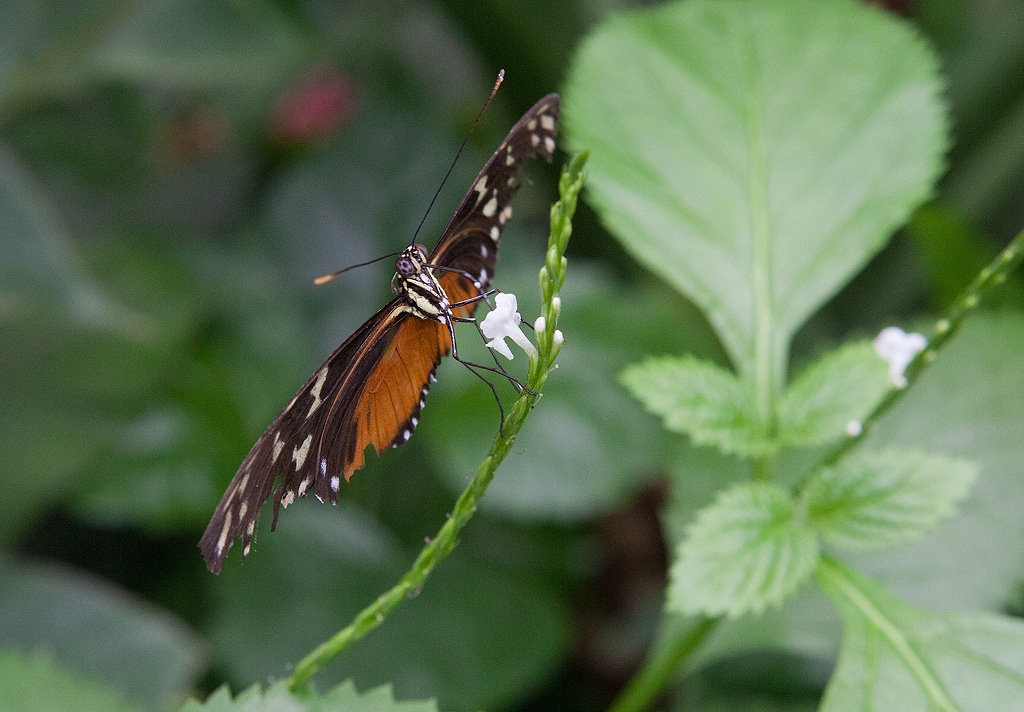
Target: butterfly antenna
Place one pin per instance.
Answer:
(497, 83)
(328, 277)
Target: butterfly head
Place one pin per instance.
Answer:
(411, 261)
(417, 285)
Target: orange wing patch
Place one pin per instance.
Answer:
(458, 289)
(389, 406)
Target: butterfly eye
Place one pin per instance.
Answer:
(405, 267)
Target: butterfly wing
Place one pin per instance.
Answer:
(367, 392)
(373, 387)
(471, 239)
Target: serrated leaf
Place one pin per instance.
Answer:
(966, 405)
(756, 155)
(343, 698)
(895, 656)
(99, 630)
(702, 400)
(842, 386)
(742, 553)
(37, 683)
(873, 500)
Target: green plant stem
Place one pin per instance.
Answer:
(649, 684)
(945, 328)
(551, 277)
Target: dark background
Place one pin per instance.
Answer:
(174, 174)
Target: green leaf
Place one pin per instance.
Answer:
(873, 500)
(895, 656)
(756, 155)
(461, 639)
(702, 400)
(842, 386)
(39, 684)
(742, 553)
(343, 698)
(99, 630)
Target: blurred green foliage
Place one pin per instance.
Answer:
(173, 175)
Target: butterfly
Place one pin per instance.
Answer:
(372, 389)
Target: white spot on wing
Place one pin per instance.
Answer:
(415, 421)
(532, 125)
(535, 139)
(315, 390)
(242, 509)
(547, 122)
(224, 533)
(481, 188)
(549, 144)
(483, 275)
(509, 159)
(495, 234)
(287, 499)
(406, 434)
(490, 207)
(299, 453)
(303, 486)
(506, 214)
(335, 483)
(278, 447)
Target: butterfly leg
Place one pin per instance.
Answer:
(472, 300)
(479, 287)
(473, 366)
(516, 383)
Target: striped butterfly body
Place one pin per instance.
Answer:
(371, 390)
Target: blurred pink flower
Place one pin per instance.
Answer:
(313, 110)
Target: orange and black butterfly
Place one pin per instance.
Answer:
(372, 388)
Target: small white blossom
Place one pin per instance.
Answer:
(503, 321)
(557, 339)
(898, 349)
(854, 428)
(540, 325)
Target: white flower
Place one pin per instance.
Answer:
(504, 322)
(898, 349)
(854, 428)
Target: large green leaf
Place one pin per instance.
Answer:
(895, 656)
(98, 630)
(756, 155)
(40, 684)
(743, 553)
(343, 698)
